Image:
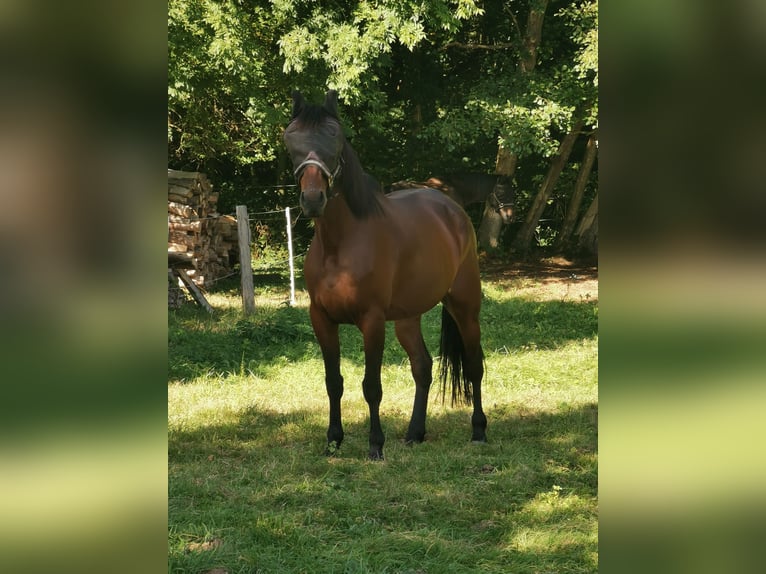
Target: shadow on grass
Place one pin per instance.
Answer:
(524, 502)
(228, 343)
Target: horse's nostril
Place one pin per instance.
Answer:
(313, 195)
(312, 202)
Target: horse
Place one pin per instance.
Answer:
(469, 188)
(376, 258)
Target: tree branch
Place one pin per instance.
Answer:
(519, 33)
(460, 45)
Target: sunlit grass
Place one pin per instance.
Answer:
(250, 490)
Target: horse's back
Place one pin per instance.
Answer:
(425, 198)
(425, 211)
(435, 243)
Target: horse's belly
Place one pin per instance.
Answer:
(346, 298)
(415, 298)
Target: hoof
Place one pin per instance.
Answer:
(479, 440)
(333, 449)
(376, 455)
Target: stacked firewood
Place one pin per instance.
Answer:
(200, 240)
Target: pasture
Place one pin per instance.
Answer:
(251, 491)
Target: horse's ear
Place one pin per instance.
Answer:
(331, 102)
(298, 103)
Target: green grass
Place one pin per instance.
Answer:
(250, 490)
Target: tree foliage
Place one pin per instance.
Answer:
(220, 86)
(427, 86)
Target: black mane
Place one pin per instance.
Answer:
(362, 192)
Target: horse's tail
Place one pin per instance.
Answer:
(452, 355)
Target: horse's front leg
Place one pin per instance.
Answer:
(373, 327)
(326, 332)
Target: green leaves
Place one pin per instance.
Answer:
(426, 85)
(298, 46)
(220, 60)
(350, 47)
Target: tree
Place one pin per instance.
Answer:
(223, 82)
(587, 230)
(426, 86)
(524, 236)
(577, 89)
(506, 161)
(573, 209)
(523, 88)
(233, 63)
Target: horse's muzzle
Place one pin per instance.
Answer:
(313, 202)
(314, 191)
(506, 213)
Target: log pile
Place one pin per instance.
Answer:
(200, 239)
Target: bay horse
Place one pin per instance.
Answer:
(377, 258)
(470, 188)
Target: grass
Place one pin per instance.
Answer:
(250, 490)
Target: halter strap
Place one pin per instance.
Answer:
(499, 204)
(320, 164)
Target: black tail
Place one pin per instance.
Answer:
(451, 352)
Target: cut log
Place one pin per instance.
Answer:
(180, 209)
(180, 191)
(199, 237)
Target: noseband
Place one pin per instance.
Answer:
(322, 166)
(497, 203)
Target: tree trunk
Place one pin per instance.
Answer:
(587, 230)
(524, 236)
(505, 163)
(532, 35)
(573, 209)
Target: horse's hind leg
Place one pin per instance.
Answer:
(464, 304)
(411, 338)
(473, 366)
(478, 418)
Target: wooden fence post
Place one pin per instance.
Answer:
(245, 264)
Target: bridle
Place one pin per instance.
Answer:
(330, 175)
(498, 205)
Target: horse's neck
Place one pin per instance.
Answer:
(335, 225)
(480, 189)
(483, 187)
(471, 192)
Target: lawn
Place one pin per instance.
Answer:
(249, 487)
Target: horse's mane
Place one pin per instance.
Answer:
(362, 192)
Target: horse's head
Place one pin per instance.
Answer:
(502, 198)
(314, 140)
